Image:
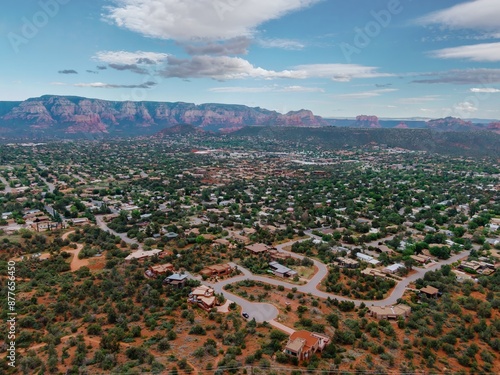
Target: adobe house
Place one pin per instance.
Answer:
(430, 291)
(390, 312)
(204, 297)
(217, 270)
(159, 269)
(303, 344)
(257, 248)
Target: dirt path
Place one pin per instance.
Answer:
(66, 235)
(77, 263)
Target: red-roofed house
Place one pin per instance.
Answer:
(303, 344)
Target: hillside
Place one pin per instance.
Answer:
(479, 143)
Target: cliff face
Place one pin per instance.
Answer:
(73, 115)
(494, 127)
(367, 122)
(452, 124)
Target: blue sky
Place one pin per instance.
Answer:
(338, 58)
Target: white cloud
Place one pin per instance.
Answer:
(365, 94)
(477, 14)
(130, 58)
(340, 72)
(480, 76)
(194, 19)
(485, 52)
(225, 68)
(420, 99)
(101, 85)
(287, 44)
(274, 88)
(465, 107)
(301, 89)
(239, 89)
(485, 90)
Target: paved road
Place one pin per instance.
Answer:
(267, 312)
(102, 224)
(7, 189)
(51, 186)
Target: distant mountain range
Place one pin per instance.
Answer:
(52, 116)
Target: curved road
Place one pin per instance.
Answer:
(102, 224)
(266, 312)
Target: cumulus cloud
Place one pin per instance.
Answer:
(92, 71)
(193, 19)
(129, 58)
(226, 68)
(236, 46)
(485, 90)
(485, 52)
(365, 94)
(477, 14)
(101, 85)
(465, 107)
(102, 67)
(287, 44)
(463, 77)
(68, 71)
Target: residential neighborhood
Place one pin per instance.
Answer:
(270, 255)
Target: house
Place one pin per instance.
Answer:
(390, 312)
(141, 254)
(280, 270)
(373, 272)
(217, 270)
(345, 262)
(303, 344)
(178, 280)
(171, 235)
(278, 255)
(478, 266)
(203, 296)
(47, 226)
(393, 268)
(422, 259)
(367, 258)
(158, 270)
(80, 221)
(257, 248)
(430, 291)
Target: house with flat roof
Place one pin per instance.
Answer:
(393, 268)
(303, 344)
(159, 269)
(367, 258)
(177, 280)
(430, 291)
(281, 270)
(345, 262)
(141, 254)
(217, 270)
(257, 248)
(390, 312)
